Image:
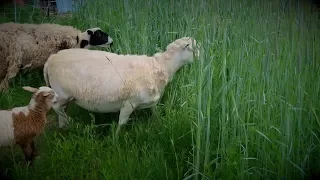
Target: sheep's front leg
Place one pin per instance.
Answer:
(60, 109)
(63, 117)
(125, 112)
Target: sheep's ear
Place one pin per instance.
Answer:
(186, 46)
(30, 89)
(89, 32)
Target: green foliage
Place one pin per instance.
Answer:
(248, 109)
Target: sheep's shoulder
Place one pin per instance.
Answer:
(148, 98)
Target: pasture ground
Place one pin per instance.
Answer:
(248, 109)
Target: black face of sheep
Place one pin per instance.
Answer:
(99, 38)
(94, 37)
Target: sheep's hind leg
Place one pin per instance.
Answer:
(4, 85)
(12, 72)
(13, 68)
(125, 112)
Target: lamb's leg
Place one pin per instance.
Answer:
(125, 112)
(34, 150)
(27, 150)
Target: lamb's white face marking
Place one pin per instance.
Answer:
(44, 89)
(49, 90)
(36, 91)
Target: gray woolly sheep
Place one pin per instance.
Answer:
(104, 82)
(21, 124)
(27, 46)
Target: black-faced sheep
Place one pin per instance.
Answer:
(21, 124)
(103, 82)
(27, 46)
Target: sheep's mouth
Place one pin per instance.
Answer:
(107, 45)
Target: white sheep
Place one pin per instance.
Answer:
(20, 125)
(103, 82)
(25, 47)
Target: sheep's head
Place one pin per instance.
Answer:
(43, 95)
(186, 47)
(93, 37)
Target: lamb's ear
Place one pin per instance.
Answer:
(186, 46)
(45, 94)
(30, 89)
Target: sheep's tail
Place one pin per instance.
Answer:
(45, 70)
(45, 74)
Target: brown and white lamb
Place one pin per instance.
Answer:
(20, 125)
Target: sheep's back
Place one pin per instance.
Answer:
(51, 38)
(33, 43)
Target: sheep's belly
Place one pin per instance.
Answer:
(100, 107)
(144, 101)
(147, 105)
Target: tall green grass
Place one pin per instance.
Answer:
(248, 108)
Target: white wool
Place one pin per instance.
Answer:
(106, 82)
(6, 128)
(6, 124)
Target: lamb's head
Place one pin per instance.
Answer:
(43, 95)
(185, 49)
(93, 37)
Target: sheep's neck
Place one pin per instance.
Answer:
(173, 63)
